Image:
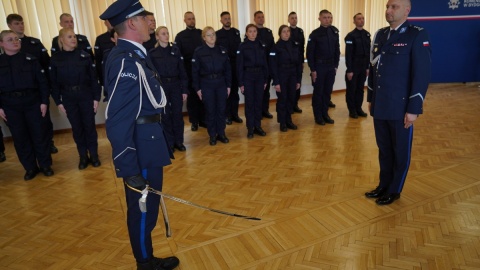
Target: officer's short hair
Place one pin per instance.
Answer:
(357, 15)
(323, 11)
(65, 15)
(121, 28)
(188, 12)
(256, 13)
(14, 17)
(292, 13)
(224, 13)
(148, 13)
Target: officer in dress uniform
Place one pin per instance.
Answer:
(34, 47)
(229, 38)
(152, 26)
(66, 21)
(398, 81)
(169, 63)
(286, 70)
(297, 35)
(188, 40)
(252, 74)
(76, 92)
(212, 77)
(265, 35)
(323, 55)
(103, 43)
(357, 60)
(23, 103)
(133, 127)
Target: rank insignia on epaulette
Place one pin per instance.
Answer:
(403, 30)
(80, 39)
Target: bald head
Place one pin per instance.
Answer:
(397, 12)
(189, 19)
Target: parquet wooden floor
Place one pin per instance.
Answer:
(306, 185)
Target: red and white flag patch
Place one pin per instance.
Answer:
(426, 44)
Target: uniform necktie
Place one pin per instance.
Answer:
(392, 31)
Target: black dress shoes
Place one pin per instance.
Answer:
(180, 147)
(237, 119)
(362, 113)
(259, 131)
(95, 161)
(297, 109)
(328, 120)
(267, 115)
(291, 125)
(283, 128)
(213, 140)
(388, 198)
(194, 126)
(159, 263)
(320, 122)
(376, 193)
(47, 171)
(53, 149)
(2, 156)
(30, 174)
(228, 121)
(223, 138)
(250, 134)
(353, 115)
(83, 164)
(331, 104)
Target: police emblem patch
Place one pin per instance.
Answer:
(453, 4)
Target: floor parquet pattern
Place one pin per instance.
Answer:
(307, 186)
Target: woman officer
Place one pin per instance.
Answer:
(252, 69)
(212, 77)
(76, 92)
(286, 70)
(23, 104)
(169, 63)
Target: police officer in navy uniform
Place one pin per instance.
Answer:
(252, 74)
(134, 128)
(102, 43)
(33, 46)
(105, 54)
(286, 70)
(66, 21)
(265, 35)
(229, 38)
(169, 63)
(152, 26)
(23, 103)
(76, 92)
(398, 81)
(188, 40)
(357, 60)
(212, 79)
(297, 35)
(323, 54)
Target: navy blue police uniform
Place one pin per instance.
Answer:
(134, 129)
(323, 55)
(188, 40)
(34, 46)
(398, 81)
(169, 63)
(212, 75)
(82, 44)
(252, 73)
(265, 35)
(230, 40)
(297, 35)
(102, 43)
(357, 60)
(75, 86)
(286, 69)
(24, 87)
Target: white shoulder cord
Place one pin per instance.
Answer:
(143, 80)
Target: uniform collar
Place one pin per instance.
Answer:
(140, 46)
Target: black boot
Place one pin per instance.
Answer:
(83, 164)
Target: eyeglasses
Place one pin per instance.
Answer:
(12, 40)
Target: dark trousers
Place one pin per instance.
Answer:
(214, 95)
(286, 97)
(196, 111)
(49, 126)
(253, 91)
(234, 98)
(394, 143)
(322, 90)
(297, 94)
(82, 119)
(355, 91)
(29, 135)
(2, 145)
(266, 96)
(172, 117)
(140, 225)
